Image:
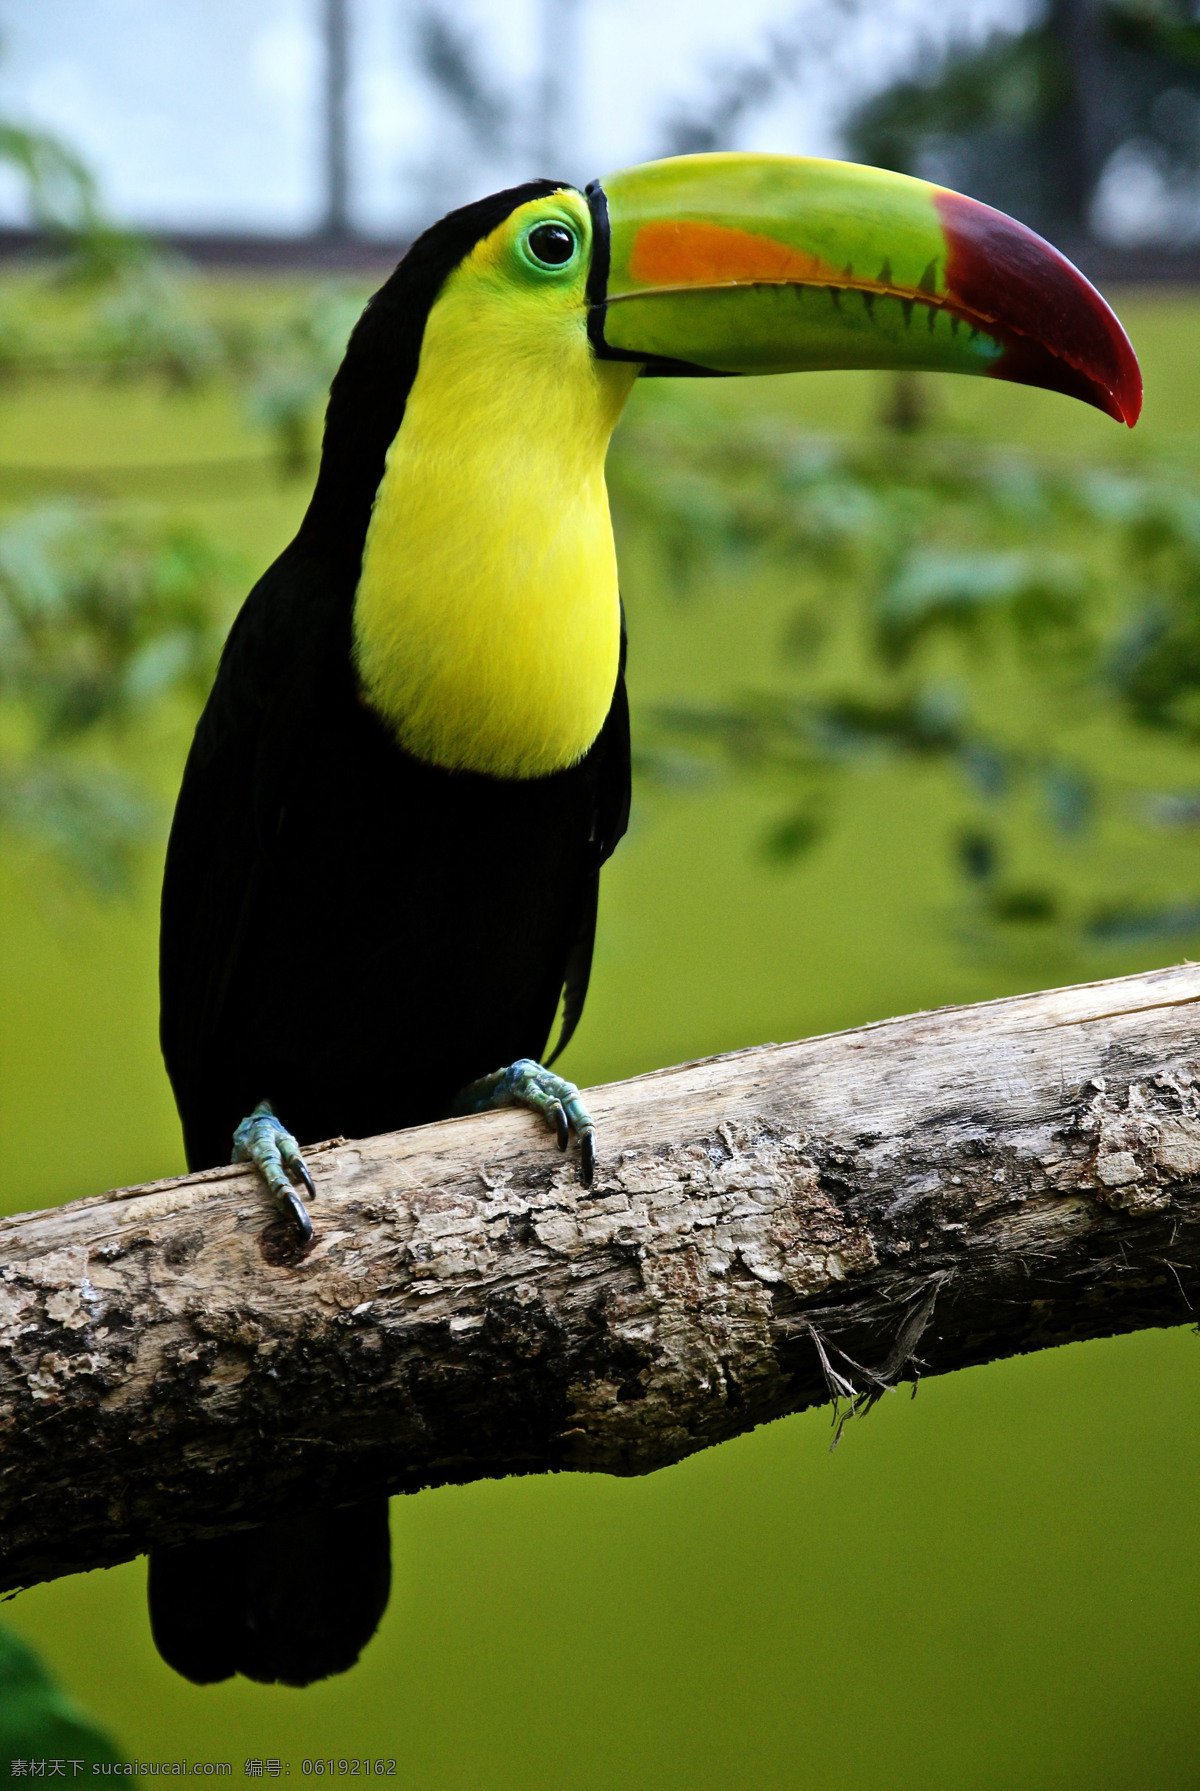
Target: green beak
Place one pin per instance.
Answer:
(774, 264)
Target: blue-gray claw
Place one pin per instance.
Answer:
(266, 1142)
(527, 1084)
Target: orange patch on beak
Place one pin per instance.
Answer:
(698, 254)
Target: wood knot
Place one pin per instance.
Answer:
(281, 1245)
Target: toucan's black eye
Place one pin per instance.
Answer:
(551, 244)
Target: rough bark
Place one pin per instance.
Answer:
(766, 1229)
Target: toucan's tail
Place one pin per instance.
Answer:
(288, 1603)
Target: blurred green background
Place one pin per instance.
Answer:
(885, 762)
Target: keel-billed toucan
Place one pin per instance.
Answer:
(383, 869)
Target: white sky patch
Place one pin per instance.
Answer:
(1136, 204)
(285, 62)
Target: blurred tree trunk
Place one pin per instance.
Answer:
(1080, 132)
(906, 407)
(336, 31)
(766, 1230)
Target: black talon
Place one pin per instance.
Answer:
(300, 1215)
(587, 1158)
(562, 1125)
(302, 1171)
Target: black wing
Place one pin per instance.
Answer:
(287, 640)
(610, 819)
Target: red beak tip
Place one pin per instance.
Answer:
(1125, 399)
(1055, 317)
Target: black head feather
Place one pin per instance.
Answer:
(371, 387)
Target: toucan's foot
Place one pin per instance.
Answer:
(526, 1084)
(266, 1142)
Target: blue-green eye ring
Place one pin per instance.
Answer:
(551, 245)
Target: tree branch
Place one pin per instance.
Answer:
(767, 1230)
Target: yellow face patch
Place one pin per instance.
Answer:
(486, 622)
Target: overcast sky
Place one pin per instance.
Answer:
(205, 113)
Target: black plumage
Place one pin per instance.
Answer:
(351, 934)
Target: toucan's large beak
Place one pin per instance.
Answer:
(772, 264)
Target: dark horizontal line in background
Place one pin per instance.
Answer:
(235, 476)
(1108, 266)
(368, 255)
(232, 249)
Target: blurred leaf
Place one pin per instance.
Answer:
(286, 371)
(1084, 584)
(97, 618)
(60, 187)
(929, 721)
(1070, 798)
(149, 324)
(1174, 809)
(935, 587)
(760, 730)
(1028, 906)
(671, 770)
(795, 835)
(64, 203)
(987, 769)
(40, 1723)
(977, 855)
(90, 819)
(1129, 925)
(448, 55)
(98, 621)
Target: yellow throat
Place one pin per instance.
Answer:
(487, 621)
